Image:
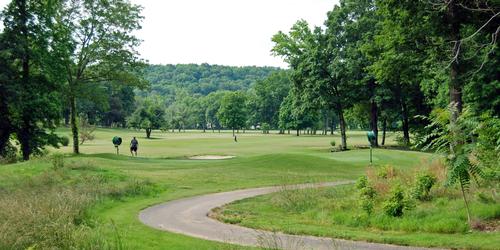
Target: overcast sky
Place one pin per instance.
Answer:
(226, 32)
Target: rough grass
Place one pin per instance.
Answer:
(52, 210)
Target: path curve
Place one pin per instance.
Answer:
(189, 216)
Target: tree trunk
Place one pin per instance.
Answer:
(334, 126)
(74, 125)
(298, 132)
(342, 129)
(24, 139)
(233, 131)
(466, 203)
(148, 133)
(374, 120)
(384, 128)
(405, 121)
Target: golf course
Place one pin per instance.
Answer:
(163, 172)
(283, 124)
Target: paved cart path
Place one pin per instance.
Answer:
(189, 216)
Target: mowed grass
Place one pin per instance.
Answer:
(261, 160)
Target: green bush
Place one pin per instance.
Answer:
(9, 155)
(333, 143)
(366, 195)
(396, 203)
(362, 182)
(423, 185)
(64, 141)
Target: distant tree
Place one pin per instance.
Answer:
(270, 93)
(232, 112)
(149, 115)
(213, 101)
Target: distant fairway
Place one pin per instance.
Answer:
(189, 143)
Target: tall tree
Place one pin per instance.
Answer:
(33, 86)
(97, 43)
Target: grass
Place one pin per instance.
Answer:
(336, 212)
(261, 160)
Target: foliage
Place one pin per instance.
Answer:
(232, 112)
(422, 186)
(397, 202)
(149, 115)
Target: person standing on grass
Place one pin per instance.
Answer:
(133, 146)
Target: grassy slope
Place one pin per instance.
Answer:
(261, 161)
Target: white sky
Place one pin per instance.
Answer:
(226, 32)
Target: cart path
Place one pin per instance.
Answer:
(189, 216)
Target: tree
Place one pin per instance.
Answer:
(270, 93)
(31, 98)
(96, 44)
(232, 112)
(149, 115)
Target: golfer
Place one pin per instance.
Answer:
(133, 146)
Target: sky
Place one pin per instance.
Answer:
(224, 32)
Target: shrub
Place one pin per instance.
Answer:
(422, 187)
(396, 203)
(366, 194)
(362, 182)
(64, 141)
(9, 155)
(333, 143)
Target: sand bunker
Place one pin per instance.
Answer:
(211, 157)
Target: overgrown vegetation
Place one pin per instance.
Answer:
(52, 210)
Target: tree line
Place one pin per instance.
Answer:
(374, 64)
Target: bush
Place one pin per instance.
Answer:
(333, 143)
(397, 202)
(362, 182)
(366, 195)
(9, 155)
(423, 185)
(64, 141)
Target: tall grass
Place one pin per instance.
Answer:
(51, 210)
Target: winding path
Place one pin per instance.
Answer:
(189, 216)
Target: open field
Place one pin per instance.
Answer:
(261, 160)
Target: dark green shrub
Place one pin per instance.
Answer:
(64, 141)
(423, 185)
(333, 143)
